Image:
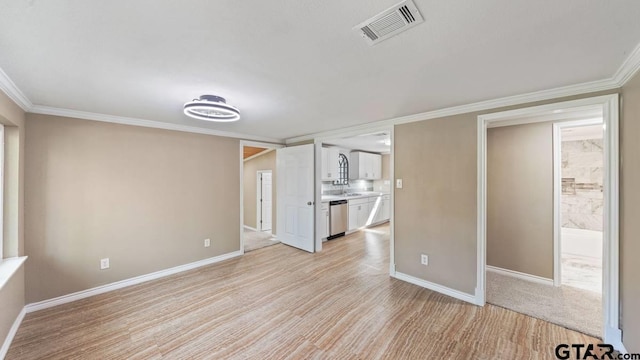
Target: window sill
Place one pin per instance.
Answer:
(8, 267)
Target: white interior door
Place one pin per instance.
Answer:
(295, 184)
(265, 201)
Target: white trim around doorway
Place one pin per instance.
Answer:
(609, 105)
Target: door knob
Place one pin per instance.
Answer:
(309, 202)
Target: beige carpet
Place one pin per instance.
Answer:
(256, 240)
(573, 308)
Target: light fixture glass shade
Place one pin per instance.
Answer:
(211, 108)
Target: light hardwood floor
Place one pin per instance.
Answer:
(282, 303)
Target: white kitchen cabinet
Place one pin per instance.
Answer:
(365, 166)
(324, 225)
(330, 164)
(382, 206)
(353, 217)
(359, 212)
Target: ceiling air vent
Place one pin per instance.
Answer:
(390, 22)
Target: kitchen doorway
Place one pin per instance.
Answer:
(354, 174)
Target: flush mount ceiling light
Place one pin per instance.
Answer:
(211, 108)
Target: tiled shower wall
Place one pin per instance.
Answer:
(582, 180)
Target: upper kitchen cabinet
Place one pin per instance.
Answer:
(363, 165)
(330, 164)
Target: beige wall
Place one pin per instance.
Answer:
(145, 198)
(520, 198)
(435, 211)
(251, 167)
(629, 215)
(12, 294)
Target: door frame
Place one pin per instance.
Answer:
(244, 143)
(557, 190)
(610, 113)
(258, 202)
(318, 141)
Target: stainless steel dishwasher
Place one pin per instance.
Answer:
(338, 218)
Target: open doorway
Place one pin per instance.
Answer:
(582, 206)
(535, 271)
(355, 190)
(259, 196)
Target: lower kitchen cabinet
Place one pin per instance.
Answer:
(382, 206)
(324, 225)
(359, 210)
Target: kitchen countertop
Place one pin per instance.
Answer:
(363, 194)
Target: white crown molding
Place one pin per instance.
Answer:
(628, 68)
(593, 86)
(625, 72)
(13, 92)
(45, 304)
(47, 110)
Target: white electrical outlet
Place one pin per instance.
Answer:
(399, 183)
(104, 263)
(207, 242)
(424, 259)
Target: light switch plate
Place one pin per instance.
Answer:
(399, 183)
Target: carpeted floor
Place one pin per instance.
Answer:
(256, 240)
(573, 308)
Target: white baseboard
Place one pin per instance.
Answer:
(435, 287)
(12, 333)
(127, 282)
(250, 228)
(520, 275)
(614, 337)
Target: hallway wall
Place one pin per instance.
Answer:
(520, 198)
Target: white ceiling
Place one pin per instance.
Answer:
(582, 133)
(295, 67)
(377, 142)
